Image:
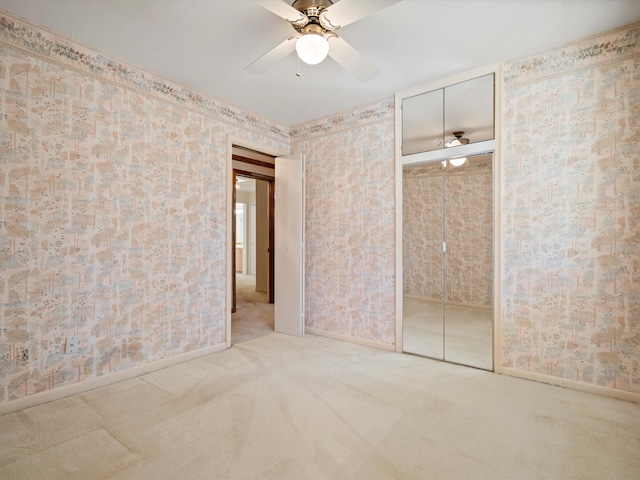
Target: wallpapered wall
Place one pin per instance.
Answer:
(112, 221)
(350, 222)
(468, 209)
(112, 212)
(571, 223)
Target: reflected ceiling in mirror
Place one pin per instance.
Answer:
(458, 114)
(469, 109)
(422, 121)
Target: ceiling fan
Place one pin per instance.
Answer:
(315, 23)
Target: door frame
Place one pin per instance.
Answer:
(495, 146)
(230, 217)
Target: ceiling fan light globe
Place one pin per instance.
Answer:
(312, 48)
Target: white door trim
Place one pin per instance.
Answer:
(240, 142)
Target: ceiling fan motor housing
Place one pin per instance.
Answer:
(316, 21)
(312, 28)
(304, 5)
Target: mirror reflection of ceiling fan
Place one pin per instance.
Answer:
(456, 139)
(315, 23)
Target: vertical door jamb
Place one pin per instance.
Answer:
(272, 241)
(233, 241)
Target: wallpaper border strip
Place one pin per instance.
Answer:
(354, 118)
(598, 48)
(23, 34)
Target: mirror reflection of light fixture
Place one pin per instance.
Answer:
(312, 48)
(456, 162)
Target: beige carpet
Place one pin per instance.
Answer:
(282, 407)
(253, 317)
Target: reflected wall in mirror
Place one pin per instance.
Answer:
(430, 119)
(447, 297)
(423, 231)
(468, 269)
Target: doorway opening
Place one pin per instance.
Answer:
(252, 245)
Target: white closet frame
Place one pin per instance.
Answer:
(436, 155)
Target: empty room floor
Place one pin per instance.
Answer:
(282, 407)
(468, 332)
(254, 314)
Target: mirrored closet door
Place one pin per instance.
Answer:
(448, 260)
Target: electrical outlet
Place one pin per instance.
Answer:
(24, 355)
(72, 344)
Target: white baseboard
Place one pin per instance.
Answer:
(572, 384)
(104, 380)
(350, 339)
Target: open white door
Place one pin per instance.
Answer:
(289, 246)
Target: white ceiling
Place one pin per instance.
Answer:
(207, 44)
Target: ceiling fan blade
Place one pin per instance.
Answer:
(273, 56)
(283, 10)
(348, 11)
(351, 60)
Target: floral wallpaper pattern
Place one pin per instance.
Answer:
(52, 47)
(422, 231)
(112, 213)
(468, 212)
(571, 222)
(350, 222)
(343, 121)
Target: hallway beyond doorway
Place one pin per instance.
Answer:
(254, 314)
